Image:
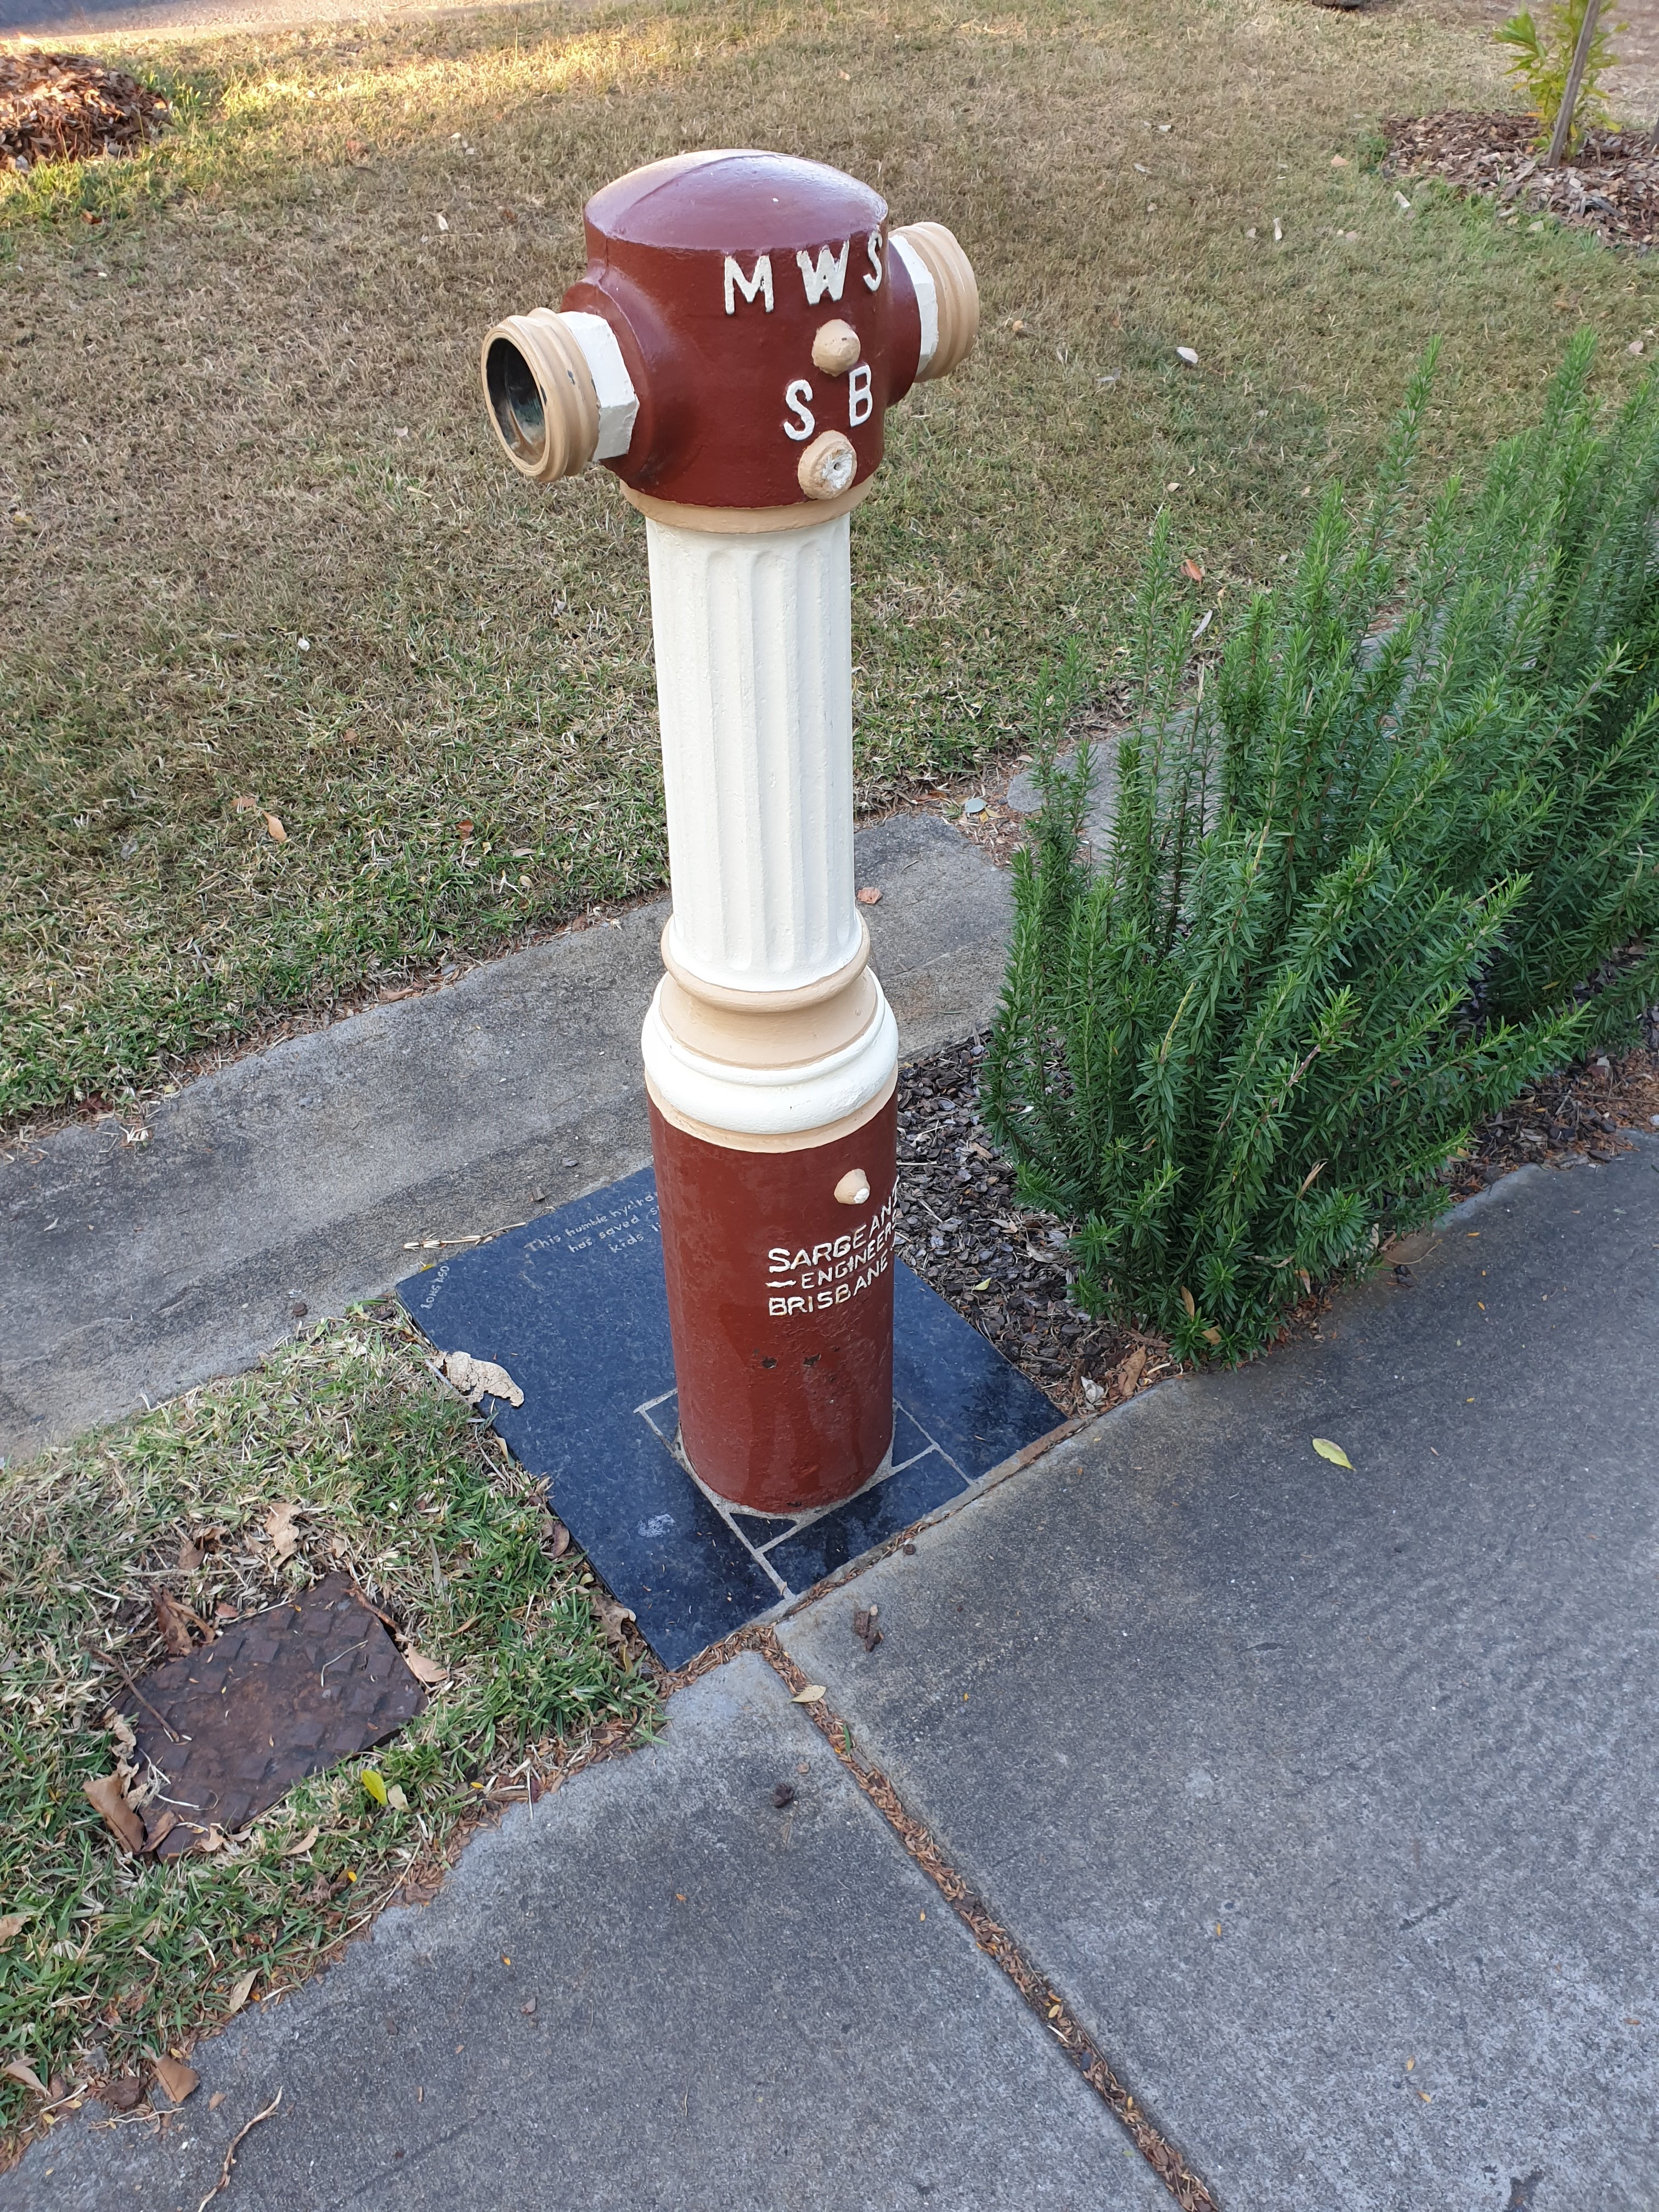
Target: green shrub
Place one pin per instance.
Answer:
(1386, 862)
(1542, 60)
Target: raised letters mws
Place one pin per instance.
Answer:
(827, 273)
(759, 279)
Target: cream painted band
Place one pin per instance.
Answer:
(801, 1141)
(797, 1038)
(787, 1001)
(747, 521)
(776, 1101)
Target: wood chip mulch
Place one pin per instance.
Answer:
(1579, 1115)
(1004, 1266)
(67, 107)
(1000, 1265)
(1611, 187)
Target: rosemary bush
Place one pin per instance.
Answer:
(1383, 863)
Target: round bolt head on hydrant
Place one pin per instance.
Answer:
(744, 324)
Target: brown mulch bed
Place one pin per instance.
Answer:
(1579, 1115)
(1004, 1267)
(67, 107)
(1611, 186)
(1001, 1266)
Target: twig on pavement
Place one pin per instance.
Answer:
(246, 2129)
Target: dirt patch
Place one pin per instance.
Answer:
(1612, 186)
(67, 107)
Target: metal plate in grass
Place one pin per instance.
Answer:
(274, 1697)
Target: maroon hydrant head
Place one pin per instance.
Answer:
(765, 320)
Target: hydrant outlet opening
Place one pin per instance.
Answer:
(541, 393)
(515, 401)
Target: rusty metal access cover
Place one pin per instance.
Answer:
(272, 1699)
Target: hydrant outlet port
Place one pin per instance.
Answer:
(946, 294)
(560, 395)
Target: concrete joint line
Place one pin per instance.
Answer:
(1190, 2191)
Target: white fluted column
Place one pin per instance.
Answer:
(753, 633)
(754, 690)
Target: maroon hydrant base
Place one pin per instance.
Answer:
(780, 1307)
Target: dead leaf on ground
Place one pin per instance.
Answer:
(1186, 1300)
(173, 1620)
(123, 2094)
(210, 1839)
(11, 1924)
(19, 2070)
(809, 1696)
(476, 1377)
(298, 1850)
(869, 896)
(244, 805)
(242, 1988)
(865, 1628)
(1129, 1371)
(189, 1557)
(612, 1614)
(281, 1526)
(422, 1668)
(106, 1795)
(558, 1536)
(274, 828)
(1334, 1453)
(176, 2080)
(1191, 570)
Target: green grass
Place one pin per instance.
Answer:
(119, 1959)
(201, 464)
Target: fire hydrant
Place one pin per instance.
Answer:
(744, 322)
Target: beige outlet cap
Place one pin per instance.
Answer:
(827, 466)
(835, 348)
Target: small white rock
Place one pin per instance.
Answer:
(1186, 354)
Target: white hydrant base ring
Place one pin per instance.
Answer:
(771, 1101)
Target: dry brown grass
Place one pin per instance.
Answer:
(259, 424)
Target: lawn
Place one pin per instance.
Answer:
(106, 1962)
(263, 565)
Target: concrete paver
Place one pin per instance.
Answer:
(297, 1175)
(733, 2007)
(1326, 1797)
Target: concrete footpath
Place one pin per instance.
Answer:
(296, 1176)
(1328, 1797)
(1324, 1797)
(655, 1992)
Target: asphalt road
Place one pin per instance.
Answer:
(97, 20)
